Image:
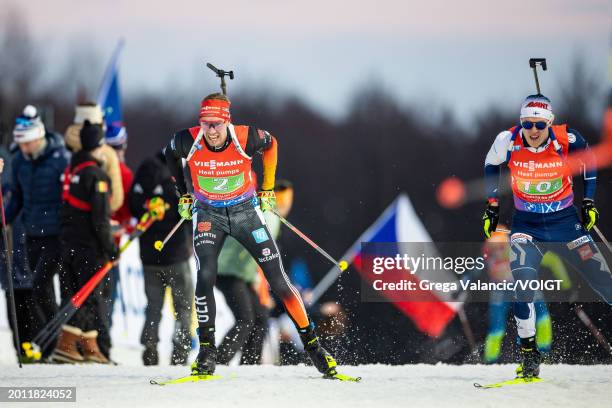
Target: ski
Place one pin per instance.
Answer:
(518, 380)
(341, 377)
(187, 379)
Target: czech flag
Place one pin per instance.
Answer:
(399, 224)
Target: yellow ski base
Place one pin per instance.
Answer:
(518, 380)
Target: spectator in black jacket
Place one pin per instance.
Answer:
(168, 268)
(36, 194)
(87, 245)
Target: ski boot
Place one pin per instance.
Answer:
(150, 356)
(322, 360)
(182, 347)
(206, 360)
(179, 356)
(530, 366)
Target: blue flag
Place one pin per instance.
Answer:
(109, 98)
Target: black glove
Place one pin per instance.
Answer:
(590, 215)
(490, 219)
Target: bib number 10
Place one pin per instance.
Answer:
(540, 187)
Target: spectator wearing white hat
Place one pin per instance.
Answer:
(36, 194)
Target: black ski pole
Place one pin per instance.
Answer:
(9, 276)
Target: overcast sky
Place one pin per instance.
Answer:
(464, 54)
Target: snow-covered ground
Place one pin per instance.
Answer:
(272, 386)
(127, 385)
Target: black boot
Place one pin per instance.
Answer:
(150, 356)
(179, 355)
(182, 347)
(206, 360)
(322, 360)
(530, 366)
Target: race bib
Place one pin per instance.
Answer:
(221, 185)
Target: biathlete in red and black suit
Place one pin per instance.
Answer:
(218, 191)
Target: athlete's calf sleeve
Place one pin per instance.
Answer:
(524, 314)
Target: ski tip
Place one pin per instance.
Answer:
(154, 382)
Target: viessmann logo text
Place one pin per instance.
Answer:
(532, 165)
(213, 164)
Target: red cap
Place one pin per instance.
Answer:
(214, 109)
